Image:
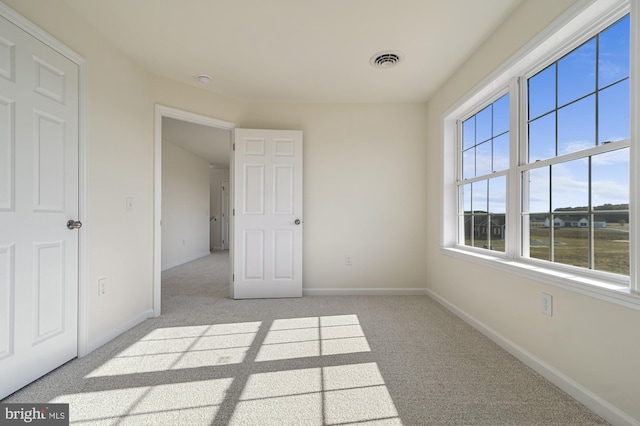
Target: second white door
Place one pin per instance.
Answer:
(267, 241)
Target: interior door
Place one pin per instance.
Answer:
(38, 195)
(224, 228)
(267, 240)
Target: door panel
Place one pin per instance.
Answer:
(7, 289)
(225, 215)
(7, 127)
(268, 192)
(38, 195)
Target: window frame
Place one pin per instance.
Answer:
(580, 23)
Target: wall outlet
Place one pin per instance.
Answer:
(102, 286)
(348, 259)
(547, 304)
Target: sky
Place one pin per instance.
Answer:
(584, 97)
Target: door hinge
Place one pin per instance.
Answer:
(233, 277)
(234, 146)
(234, 212)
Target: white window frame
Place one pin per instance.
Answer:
(581, 22)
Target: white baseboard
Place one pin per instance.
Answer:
(364, 292)
(592, 401)
(183, 261)
(94, 344)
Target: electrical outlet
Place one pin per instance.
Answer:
(547, 304)
(348, 259)
(102, 286)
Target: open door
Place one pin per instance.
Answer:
(267, 218)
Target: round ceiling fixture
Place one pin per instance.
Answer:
(386, 59)
(204, 79)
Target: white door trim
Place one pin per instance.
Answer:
(46, 38)
(166, 111)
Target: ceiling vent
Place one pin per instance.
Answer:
(386, 59)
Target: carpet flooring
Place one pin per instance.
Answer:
(355, 360)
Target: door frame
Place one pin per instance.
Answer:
(170, 112)
(226, 203)
(32, 29)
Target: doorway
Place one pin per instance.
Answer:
(178, 122)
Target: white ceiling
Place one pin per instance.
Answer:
(300, 50)
(210, 143)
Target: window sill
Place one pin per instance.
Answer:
(609, 291)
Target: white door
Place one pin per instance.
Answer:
(267, 240)
(224, 225)
(38, 195)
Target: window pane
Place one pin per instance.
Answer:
(577, 73)
(479, 195)
(483, 125)
(542, 92)
(571, 242)
(613, 113)
(466, 198)
(469, 133)
(501, 153)
(469, 163)
(498, 195)
(497, 234)
(610, 180)
(542, 138)
(539, 190)
(613, 58)
(539, 237)
(481, 230)
(611, 242)
(577, 126)
(483, 158)
(501, 115)
(468, 227)
(570, 185)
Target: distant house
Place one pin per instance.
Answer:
(482, 226)
(557, 223)
(584, 223)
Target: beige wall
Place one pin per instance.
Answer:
(592, 342)
(364, 191)
(185, 206)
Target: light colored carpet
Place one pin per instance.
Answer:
(210, 360)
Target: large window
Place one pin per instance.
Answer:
(576, 175)
(543, 164)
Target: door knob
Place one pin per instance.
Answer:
(297, 222)
(74, 224)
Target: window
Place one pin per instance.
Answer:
(543, 154)
(576, 175)
(485, 162)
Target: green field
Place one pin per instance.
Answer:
(571, 246)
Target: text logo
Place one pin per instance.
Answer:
(34, 414)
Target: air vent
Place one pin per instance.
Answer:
(386, 59)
